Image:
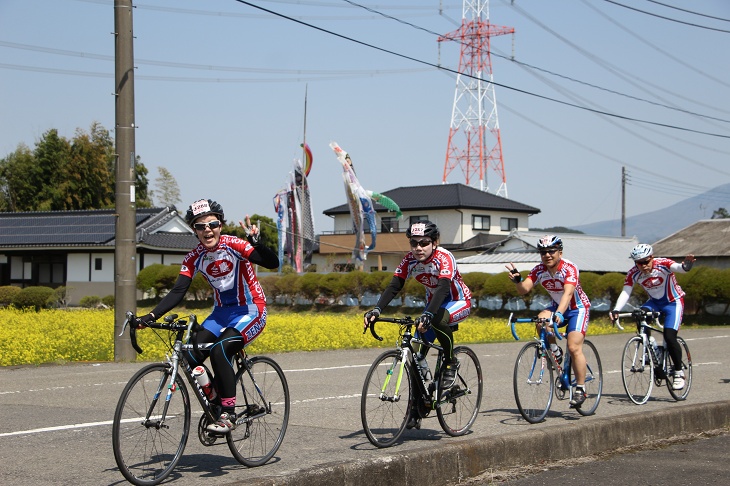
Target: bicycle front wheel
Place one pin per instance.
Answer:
(637, 371)
(386, 399)
(149, 433)
(686, 367)
(458, 406)
(594, 379)
(262, 412)
(533, 383)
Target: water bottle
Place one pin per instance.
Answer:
(203, 378)
(660, 354)
(423, 367)
(657, 349)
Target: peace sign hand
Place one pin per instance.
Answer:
(253, 235)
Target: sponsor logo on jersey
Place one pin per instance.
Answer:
(553, 285)
(653, 282)
(219, 268)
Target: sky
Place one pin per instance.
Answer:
(583, 88)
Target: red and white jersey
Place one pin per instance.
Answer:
(442, 264)
(660, 283)
(227, 270)
(566, 273)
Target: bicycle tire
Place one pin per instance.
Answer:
(147, 454)
(682, 394)
(637, 371)
(594, 379)
(458, 406)
(262, 412)
(384, 413)
(533, 389)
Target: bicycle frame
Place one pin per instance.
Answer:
(407, 339)
(643, 330)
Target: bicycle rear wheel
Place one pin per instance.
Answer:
(386, 399)
(146, 448)
(533, 383)
(594, 379)
(458, 406)
(680, 395)
(262, 412)
(637, 371)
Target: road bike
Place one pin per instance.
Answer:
(395, 388)
(152, 419)
(533, 380)
(643, 365)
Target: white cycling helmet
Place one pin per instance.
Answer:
(550, 241)
(641, 251)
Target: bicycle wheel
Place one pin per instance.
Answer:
(146, 448)
(533, 383)
(637, 371)
(386, 399)
(594, 379)
(262, 412)
(458, 406)
(680, 395)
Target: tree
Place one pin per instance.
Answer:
(720, 213)
(167, 190)
(267, 226)
(59, 174)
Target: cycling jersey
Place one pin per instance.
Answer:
(566, 273)
(660, 283)
(441, 264)
(228, 271)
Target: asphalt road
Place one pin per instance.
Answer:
(55, 421)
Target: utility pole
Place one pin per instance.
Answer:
(623, 201)
(125, 248)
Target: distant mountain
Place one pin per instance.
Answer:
(653, 226)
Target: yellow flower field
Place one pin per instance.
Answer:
(58, 336)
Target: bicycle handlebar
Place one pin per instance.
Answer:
(172, 323)
(638, 315)
(404, 321)
(540, 320)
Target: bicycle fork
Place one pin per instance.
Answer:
(396, 368)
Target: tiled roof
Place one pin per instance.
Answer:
(589, 253)
(705, 238)
(73, 228)
(443, 196)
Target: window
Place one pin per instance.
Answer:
(416, 219)
(97, 263)
(507, 224)
(389, 225)
(480, 222)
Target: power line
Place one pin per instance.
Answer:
(547, 98)
(689, 11)
(668, 18)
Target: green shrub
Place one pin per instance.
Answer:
(8, 294)
(90, 301)
(108, 301)
(34, 297)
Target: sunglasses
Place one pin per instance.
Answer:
(421, 243)
(645, 261)
(547, 252)
(210, 224)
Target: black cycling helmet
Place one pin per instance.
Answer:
(424, 228)
(550, 241)
(203, 207)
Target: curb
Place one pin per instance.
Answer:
(473, 457)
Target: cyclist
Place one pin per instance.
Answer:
(656, 276)
(570, 306)
(239, 311)
(448, 299)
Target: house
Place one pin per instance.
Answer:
(600, 254)
(75, 249)
(708, 240)
(469, 221)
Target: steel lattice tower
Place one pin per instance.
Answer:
(474, 139)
